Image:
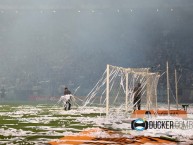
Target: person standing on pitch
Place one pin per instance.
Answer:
(137, 97)
(68, 102)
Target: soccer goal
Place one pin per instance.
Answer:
(115, 89)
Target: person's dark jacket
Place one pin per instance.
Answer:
(137, 95)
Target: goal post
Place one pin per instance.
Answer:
(107, 91)
(126, 92)
(131, 76)
(115, 89)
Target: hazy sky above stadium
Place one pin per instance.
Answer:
(38, 37)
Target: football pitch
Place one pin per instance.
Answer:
(43, 123)
(39, 124)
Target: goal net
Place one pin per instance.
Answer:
(116, 89)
